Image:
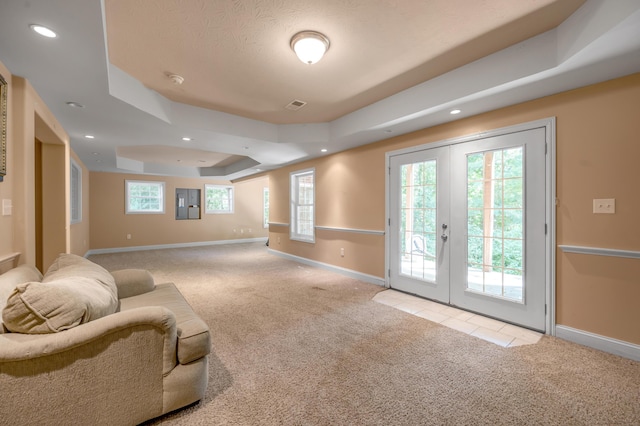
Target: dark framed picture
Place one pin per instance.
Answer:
(3, 127)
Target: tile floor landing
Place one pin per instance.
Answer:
(498, 332)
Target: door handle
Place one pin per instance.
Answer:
(444, 235)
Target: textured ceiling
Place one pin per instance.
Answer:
(394, 67)
(235, 57)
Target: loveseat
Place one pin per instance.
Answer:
(81, 345)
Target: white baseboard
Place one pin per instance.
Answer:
(596, 341)
(342, 271)
(177, 245)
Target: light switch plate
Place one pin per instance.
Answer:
(604, 205)
(7, 208)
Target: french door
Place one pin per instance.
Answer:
(467, 225)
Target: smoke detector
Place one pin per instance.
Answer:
(176, 79)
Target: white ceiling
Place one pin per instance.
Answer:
(393, 67)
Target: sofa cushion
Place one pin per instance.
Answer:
(194, 340)
(10, 279)
(73, 291)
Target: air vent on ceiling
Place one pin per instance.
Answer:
(295, 104)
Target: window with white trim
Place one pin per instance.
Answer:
(144, 197)
(303, 205)
(76, 192)
(218, 199)
(265, 207)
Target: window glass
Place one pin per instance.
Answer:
(144, 197)
(76, 192)
(303, 205)
(218, 199)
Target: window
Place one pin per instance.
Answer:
(144, 197)
(218, 199)
(265, 207)
(302, 206)
(76, 192)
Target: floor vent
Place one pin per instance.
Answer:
(295, 104)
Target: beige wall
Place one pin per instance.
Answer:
(597, 155)
(110, 225)
(28, 119)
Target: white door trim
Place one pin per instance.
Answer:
(550, 198)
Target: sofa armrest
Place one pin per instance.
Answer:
(108, 371)
(16, 347)
(132, 282)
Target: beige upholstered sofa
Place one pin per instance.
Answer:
(85, 346)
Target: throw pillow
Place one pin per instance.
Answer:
(38, 308)
(10, 279)
(73, 291)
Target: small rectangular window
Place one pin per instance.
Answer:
(218, 199)
(76, 192)
(265, 207)
(144, 197)
(303, 205)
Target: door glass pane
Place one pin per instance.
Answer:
(418, 220)
(495, 219)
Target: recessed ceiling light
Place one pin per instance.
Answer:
(455, 111)
(89, 136)
(95, 153)
(75, 104)
(187, 139)
(246, 147)
(43, 31)
(388, 131)
(323, 150)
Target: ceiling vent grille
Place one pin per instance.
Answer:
(295, 105)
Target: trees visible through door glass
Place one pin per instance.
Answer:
(495, 219)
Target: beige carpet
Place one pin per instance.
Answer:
(297, 345)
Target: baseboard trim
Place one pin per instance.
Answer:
(177, 245)
(596, 341)
(342, 271)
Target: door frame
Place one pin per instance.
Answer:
(550, 200)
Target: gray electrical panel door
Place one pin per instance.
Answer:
(187, 203)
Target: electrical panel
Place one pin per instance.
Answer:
(187, 203)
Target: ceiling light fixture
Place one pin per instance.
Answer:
(310, 46)
(323, 150)
(43, 31)
(187, 139)
(455, 111)
(89, 136)
(75, 104)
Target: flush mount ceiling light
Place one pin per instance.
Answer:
(455, 111)
(43, 31)
(75, 104)
(310, 46)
